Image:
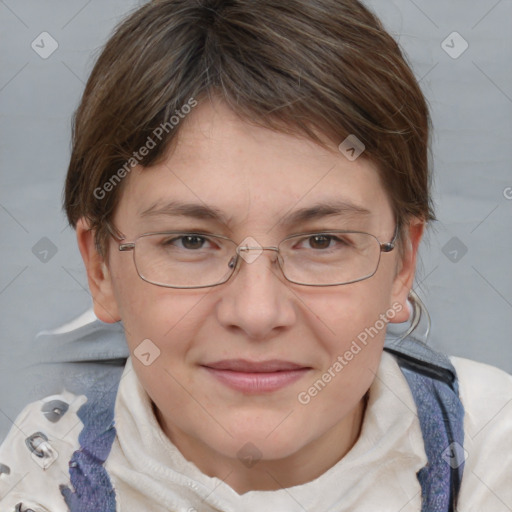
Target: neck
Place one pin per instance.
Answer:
(305, 465)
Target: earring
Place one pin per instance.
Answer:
(419, 313)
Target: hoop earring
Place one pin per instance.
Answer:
(419, 311)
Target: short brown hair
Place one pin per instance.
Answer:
(298, 66)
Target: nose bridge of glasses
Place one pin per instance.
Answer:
(247, 248)
(249, 244)
(250, 250)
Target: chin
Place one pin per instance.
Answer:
(261, 443)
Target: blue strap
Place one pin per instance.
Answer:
(440, 413)
(93, 490)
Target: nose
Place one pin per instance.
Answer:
(257, 299)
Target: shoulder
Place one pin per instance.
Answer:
(486, 394)
(34, 456)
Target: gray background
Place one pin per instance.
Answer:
(464, 275)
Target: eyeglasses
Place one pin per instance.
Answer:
(178, 259)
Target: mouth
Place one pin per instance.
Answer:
(256, 377)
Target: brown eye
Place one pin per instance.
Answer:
(190, 242)
(320, 241)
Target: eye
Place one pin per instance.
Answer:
(187, 241)
(321, 241)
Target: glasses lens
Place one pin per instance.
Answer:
(183, 259)
(191, 260)
(330, 258)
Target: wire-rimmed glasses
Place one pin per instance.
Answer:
(183, 259)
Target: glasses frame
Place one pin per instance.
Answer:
(385, 247)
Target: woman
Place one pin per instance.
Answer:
(266, 164)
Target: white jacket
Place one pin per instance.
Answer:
(378, 474)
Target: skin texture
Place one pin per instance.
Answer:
(255, 176)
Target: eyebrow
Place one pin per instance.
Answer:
(302, 215)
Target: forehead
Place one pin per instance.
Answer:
(249, 173)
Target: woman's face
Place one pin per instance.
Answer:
(314, 351)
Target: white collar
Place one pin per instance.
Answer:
(150, 473)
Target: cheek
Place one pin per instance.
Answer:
(349, 312)
(352, 326)
(356, 320)
(167, 317)
(161, 328)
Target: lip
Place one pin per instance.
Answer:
(256, 376)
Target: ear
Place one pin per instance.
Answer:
(406, 269)
(98, 275)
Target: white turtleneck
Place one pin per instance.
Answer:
(149, 472)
